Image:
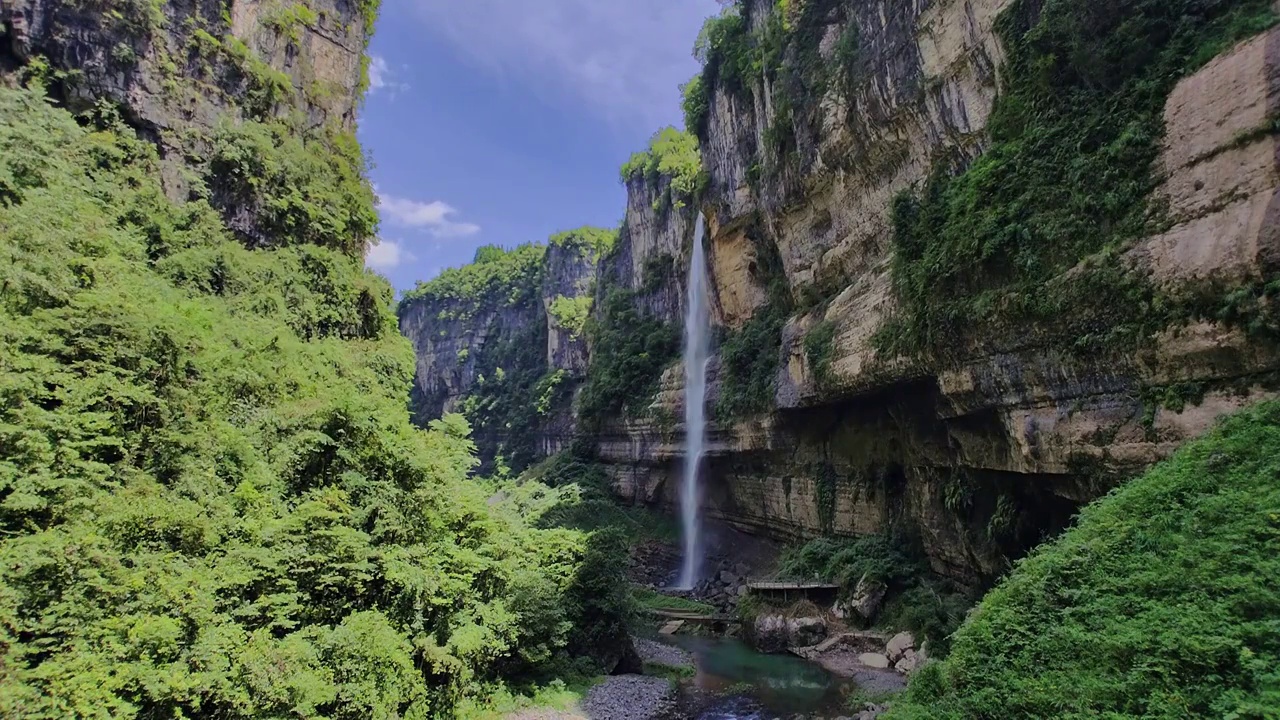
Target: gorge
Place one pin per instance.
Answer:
(1070, 326)
(979, 358)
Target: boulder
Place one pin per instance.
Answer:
(868, 595)
(742, 590)
(769, 633)
(874, 660)
(909, 662)
(728, 578)
(899, 644)
(806, 631)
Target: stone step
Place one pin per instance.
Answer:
(671, 628)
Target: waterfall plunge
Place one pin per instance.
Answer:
(697, 330)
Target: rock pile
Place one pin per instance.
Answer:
(869, 649)
(724, 587)
(651, 563)
(629, 697)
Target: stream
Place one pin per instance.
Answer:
(734, 681)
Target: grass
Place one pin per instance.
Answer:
(502, 700)
(649, 599)
(1163, 601)
(674, 673)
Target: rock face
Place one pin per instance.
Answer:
(775, 633)
(248, 59)
(522, 323)
(984, 454)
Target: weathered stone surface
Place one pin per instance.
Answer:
(1019, 424)
(806, 631)
(909, 662)
(769, 633)
(899, 645)
(874, 660)
(867, 598)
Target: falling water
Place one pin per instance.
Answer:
(697, 328)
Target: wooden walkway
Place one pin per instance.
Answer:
(788, 586)
(688, 616)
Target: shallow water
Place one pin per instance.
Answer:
(749, 685)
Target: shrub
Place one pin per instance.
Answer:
(629, 353)
(671, 154)
(819, 350)
(497, 278)
(1067, 176)
(1161, 601)
(587, 238)
(298, 189)
(211, 500)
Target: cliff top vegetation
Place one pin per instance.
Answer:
(672, 154)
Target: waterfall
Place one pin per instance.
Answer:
(697, 329)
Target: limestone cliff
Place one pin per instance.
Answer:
(974, 262)
(504, 341)
(182, 73)
(985, 451)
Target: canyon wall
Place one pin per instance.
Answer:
(981, 456)
(181, 73)
(988, 438)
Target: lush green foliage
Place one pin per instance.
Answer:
(497, 278)
(629, 351)
(695, 105)
(1066, 177)
(511, 376)
(587, 502)
(571, 313)
(307, 188)
(819, 350)
(211, 500)
(651, 599)
(671, 154)
(749, 361)
(1163, 601)
(587, 238)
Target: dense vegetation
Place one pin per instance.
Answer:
(1065, 177)
(629, 352)
(1163, 601)
(495, 278)
(587, 239)
(673, 156)
(211, 500)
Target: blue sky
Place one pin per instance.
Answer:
(504, 121)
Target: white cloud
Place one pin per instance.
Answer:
(624, 58)
(387, 255)
(430, 216)
(382, 77)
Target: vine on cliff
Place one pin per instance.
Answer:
(629, 351)
(1066, 179)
